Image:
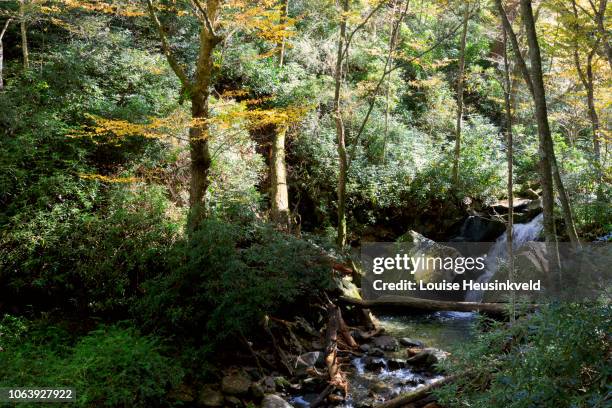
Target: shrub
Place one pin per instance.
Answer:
(229, 277)
(557, 357)
(111, 366)
(68, 256)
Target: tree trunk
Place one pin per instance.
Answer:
(24, 35)
(284, 12)
(199, 133)
(509, 157)
(546, 142)
(340, 133)
(466, 15)
(600, 16)
(6, 25)
(392, 40)
(412, 303)
(279, 195)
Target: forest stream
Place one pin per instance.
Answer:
(388, 368)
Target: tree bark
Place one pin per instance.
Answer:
(6, 25)
(509, 157)
(279, 194)
(340, 133)
(392, 40)
(466, 15)
(24, 35)
(542, 119)
(199, 91)
(600, 15)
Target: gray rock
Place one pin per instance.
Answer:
(311, 359)
(376, 352)
(232, 401)
(346, 287)
(210, 396)
(364, 347)
(236, 383)
(428, 357)
(274, 401)
(408, 342)
(386, 343)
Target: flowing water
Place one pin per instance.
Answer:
(521, 233)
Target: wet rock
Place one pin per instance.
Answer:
(396, 364)
(210, 396)
(274, 401)
(232, 401)
(269, 384)
(481, 229)
(380, 387)
(408, 342)
(386, 343)
(373, 364)
(182, 393)
(311, 359)
(365, 403)
(427, 358)
(236, 383)
(376, 352)
(364, 347)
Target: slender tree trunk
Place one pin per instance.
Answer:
(340, 133)
(509, 157)
(466, 16)
(278, 179)
(392, 40)
(600, 15)
(547, 148)
(199, 133)
(279, 193)
(6, 25)
(24, 35)
(284, 13)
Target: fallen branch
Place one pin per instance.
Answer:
(417, 395)
(432, 305)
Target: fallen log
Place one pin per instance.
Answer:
(432, 305)
(416, 395)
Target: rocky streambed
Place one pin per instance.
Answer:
(402, 359)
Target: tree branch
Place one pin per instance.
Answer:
(207, 21)
(360, 26)
(174, 64)
(6, 25)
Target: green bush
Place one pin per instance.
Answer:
(557, 357)
(112, 366)
(70, 257)
(228, 278)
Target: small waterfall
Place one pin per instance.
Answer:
(521, 233)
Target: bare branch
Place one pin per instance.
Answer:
(174, 64)
(6, 25)
(360, 26)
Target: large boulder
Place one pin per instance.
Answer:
(386, 343)
(210, 397)
(481, 229)
(274, 401)
(236, 383)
